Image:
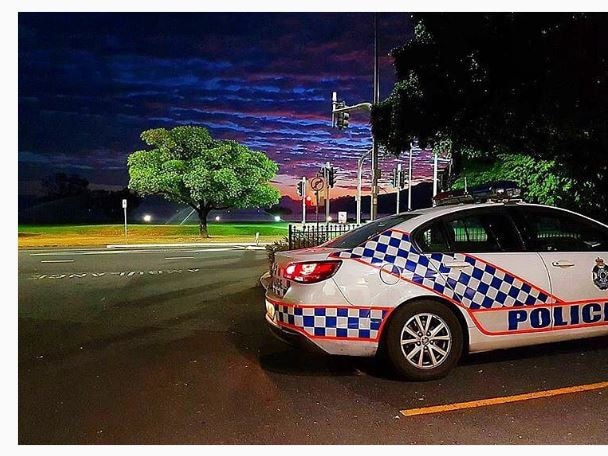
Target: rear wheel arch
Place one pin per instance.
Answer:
(437, 352)
(450, 306)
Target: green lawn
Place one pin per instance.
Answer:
(215, 229)
(88, 235)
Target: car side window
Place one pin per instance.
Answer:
(484, 232)
(550, 230)
(432, 239)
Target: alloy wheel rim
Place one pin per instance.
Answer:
(426, 341)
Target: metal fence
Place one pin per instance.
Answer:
(303, 236)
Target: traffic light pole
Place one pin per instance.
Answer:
(303, 201)
(339, 122)
(435, 166)
(326, 175)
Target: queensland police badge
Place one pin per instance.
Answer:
(600, 274)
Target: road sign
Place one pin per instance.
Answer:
(317, 183)
(124, 209)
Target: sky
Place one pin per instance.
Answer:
(90, 83)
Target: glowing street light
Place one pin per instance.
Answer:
(147, 218)
(277, 218)
(217, 218)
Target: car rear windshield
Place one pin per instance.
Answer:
(359, 235)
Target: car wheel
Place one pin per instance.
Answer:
(424, 340)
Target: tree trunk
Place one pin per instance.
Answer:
(202, 222)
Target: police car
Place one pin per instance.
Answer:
(477, 272)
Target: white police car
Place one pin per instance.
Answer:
(428, 285)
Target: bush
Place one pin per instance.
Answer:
(276, 246)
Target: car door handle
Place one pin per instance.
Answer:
(563, 264)
(458, 264)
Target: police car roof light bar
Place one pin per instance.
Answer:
(502, 191)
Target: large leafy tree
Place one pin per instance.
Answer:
(186, 165)
(533, 84)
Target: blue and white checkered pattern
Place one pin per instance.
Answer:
(483, 286)
(342, 322)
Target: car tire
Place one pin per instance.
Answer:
(430, 349)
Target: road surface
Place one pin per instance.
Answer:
(170, 346)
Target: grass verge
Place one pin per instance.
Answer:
(31, 236)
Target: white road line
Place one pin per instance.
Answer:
(57, 261)
(215, 250)
(179, 258)
(100, 252)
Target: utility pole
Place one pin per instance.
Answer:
(375, 167)
(409, 181)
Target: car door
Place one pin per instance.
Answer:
(488, 272)
(574, 250)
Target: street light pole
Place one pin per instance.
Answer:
(360, 161)
(375, 167)
(435, 166)
(409, 181)
(398, 186)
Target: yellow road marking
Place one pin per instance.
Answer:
(504, 399)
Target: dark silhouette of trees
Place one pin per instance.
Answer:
(494, 84)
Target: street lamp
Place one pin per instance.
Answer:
(217, 218)
(360, 161)
(147, 218)
(277, 218)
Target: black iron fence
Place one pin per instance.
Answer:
(303, 236)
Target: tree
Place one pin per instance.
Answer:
(108, 204)
(532, 84)
(186, 165)
(279, 210)
(541, 181)
(60, 185)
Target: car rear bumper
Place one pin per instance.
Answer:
(292, 338)
(285, 322)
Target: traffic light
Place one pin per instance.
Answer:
(402, 180)
(342, 118)
(331, 176)
(300, 189)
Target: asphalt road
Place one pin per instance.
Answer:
(170, 346)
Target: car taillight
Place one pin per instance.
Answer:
(311, 272)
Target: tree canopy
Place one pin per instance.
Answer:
(533, 84)
(186, 165)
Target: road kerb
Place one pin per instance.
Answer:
(197, 244)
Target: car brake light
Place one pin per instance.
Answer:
(311, 272)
